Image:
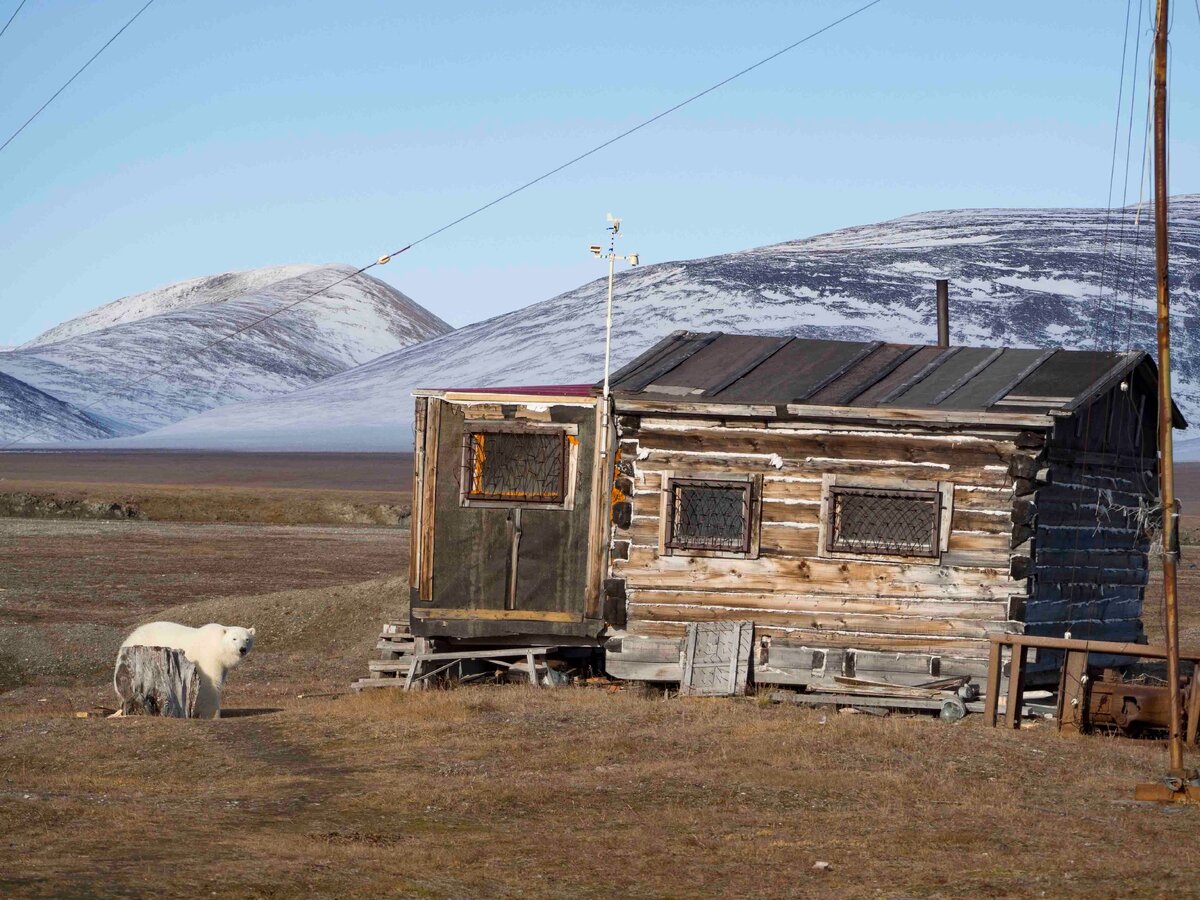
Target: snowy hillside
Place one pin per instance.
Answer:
(1020, 277)
(21, 403)
(98, 363)
(193, 292)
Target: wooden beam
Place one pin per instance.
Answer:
(1113, 648)
(518, 615)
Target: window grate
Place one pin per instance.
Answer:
(889, 522)
(709, 515)
(518, 467)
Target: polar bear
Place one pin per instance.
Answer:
(215, 649)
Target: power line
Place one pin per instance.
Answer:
(10, 18)
(638, 127)
(387, 258)
(78, 72)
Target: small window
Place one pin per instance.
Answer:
(710, 515)
(521, 467)
(882, 521)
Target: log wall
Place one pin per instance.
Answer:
(1090, 518)
(880, 608)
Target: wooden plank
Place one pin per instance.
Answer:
(966, 648)
(991, 698)
(1016, 686)
(698, 462)
(414, 530)
(929, 416)
(1114, 648)
(1193, 709)
(645, 569)
(433, 419)
(507, 615)
(823, 622)
(625, 404)
(599, 518)
(813, 603)
(861, 445)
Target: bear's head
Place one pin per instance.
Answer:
(235, 644)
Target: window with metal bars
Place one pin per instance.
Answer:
(884, 521)
(521, 467)
(709, 515)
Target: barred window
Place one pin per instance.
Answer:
(709, 515)
(515, 466)
(888, 522)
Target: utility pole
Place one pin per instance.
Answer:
(613, 229)
(1178, 786)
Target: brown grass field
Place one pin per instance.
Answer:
(493, 791)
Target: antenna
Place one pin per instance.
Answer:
(613, 229)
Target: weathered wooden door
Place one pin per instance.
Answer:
(512, 514)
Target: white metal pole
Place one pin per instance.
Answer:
(607, 349)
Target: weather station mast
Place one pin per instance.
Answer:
(597, 250)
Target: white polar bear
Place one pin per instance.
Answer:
(215, 649)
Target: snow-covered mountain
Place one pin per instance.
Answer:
(101, 363)
(1079, 278)
(36, 409)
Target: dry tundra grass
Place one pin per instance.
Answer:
(502, 791)
(513, 792)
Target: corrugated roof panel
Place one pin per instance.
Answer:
(862, 375)
(991, 383)
(795, 370)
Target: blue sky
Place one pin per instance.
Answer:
(228, 135)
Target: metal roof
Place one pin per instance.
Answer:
(719, 368)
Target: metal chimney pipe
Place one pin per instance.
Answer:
(943, 312)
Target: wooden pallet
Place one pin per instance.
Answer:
(406, 662)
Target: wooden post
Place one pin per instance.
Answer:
(991, 700)
(1072, 692)
(156, 681)
(1193, 711)
(1016, 685)
(943, 312)
(1166, 462)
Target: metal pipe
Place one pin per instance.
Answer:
(943, 312)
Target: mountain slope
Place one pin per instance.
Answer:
(201, 291)
(99, 362)
(1019, 277)
(20, 402)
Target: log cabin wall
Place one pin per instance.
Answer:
(871, 616)
(1091, 515)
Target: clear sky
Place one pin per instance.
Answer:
(230, 134)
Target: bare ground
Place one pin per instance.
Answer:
(501, 791)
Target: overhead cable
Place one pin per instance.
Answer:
(382, 260)
(78, 72)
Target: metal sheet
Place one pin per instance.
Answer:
(710, 367)
(979, 391)
(907, 369)
(790, 373)
(861, 376)
(1066, 374)
(926, 391)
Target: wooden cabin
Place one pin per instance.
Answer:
(871, 510)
